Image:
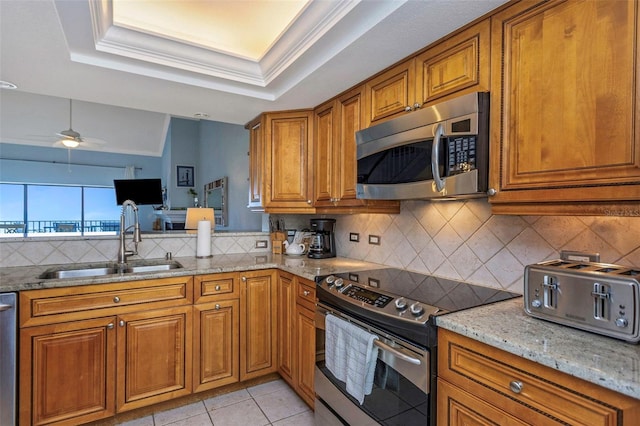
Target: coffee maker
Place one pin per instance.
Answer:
(323, 241)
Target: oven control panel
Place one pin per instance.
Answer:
(376, 300)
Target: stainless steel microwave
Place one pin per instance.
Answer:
(440, 151)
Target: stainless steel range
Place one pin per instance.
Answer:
(399, 308)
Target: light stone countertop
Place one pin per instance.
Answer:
(21, 278)
(608, 362)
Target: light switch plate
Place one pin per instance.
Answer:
(262, 244)
(374, 239)
(354, 236)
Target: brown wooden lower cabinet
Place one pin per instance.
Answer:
(482, 385)
(297, 334)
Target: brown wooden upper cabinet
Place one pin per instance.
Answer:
(281, 155)
(564, 109)
(335, 125)
(459, 64)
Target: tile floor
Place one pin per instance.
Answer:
(272, 403)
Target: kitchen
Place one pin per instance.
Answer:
(457, 240)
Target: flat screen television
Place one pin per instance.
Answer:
(140, 191)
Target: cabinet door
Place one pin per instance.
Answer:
(306, 353)
(258, 324)
(391, 93)
(256, 164)
(216, 342)
(286, 322)
(67, 372)
(154, 357)
(564, 107)
(326, 150)
(457, 65)
(350, 115)
(288, 162)
(459, 408)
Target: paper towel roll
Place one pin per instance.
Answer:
(203, 244)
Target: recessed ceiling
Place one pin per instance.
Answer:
(246, 29)
(79, 49)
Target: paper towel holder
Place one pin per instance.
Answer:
(195, 215)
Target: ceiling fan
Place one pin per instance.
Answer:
(71, 139)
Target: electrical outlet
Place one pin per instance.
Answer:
(262, 244)
(354, 236)
(374, 239)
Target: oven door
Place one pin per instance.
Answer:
(401, 383)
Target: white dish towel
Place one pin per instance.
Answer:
(350, 355)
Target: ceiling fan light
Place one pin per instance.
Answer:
(70, 143)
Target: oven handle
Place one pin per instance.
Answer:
(395, 352)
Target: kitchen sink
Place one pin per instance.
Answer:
(101, 269)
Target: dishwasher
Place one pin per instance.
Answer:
(8, 339)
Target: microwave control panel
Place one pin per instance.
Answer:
(461, 154)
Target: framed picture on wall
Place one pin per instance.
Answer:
(185, 176)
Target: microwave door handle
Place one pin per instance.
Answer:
(435, 155)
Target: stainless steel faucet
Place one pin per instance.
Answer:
(122, 251)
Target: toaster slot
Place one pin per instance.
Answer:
(549, 291)
(601, 301)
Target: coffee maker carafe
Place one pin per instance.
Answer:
(323, 242)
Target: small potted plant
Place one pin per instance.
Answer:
(194, 194)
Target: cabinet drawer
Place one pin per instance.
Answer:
(212, 287)
(91, 301)
(516, 385)
(306, 294)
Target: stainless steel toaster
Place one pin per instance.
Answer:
(597, 297)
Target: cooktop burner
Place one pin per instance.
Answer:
(402, 301)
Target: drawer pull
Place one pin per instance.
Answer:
(244, 279)
(306, 292)
(110, 326)
(515, 386)
(116, 299)
(217, 307)
(217, 288)
(121, 323)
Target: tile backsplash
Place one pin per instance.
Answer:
(49, 250)
(462, 240)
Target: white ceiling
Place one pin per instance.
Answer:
(73, 49)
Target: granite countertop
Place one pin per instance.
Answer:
(21, 278)
(605, 361)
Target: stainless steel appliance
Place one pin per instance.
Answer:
(323, 243)
(8, 336)
(398, 307)
(597, 297)
(439, 151)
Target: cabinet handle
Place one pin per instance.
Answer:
(244, 279)
(417, 105)
(217, 307)
(217, 288)
(116, 299)
(515, 386)
(491, 192)
(407, 108)
(308, 201)
(306, 292)
(121, 323)
(110, 326)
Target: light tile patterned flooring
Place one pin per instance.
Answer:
(272, 403)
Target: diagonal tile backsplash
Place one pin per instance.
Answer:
(462, 240)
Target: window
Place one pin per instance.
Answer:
(36, 210)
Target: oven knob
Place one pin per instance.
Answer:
(536, 303)
(622, 322)
(339, 282)
(330, 279)
(401, 303)
(417, 309)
